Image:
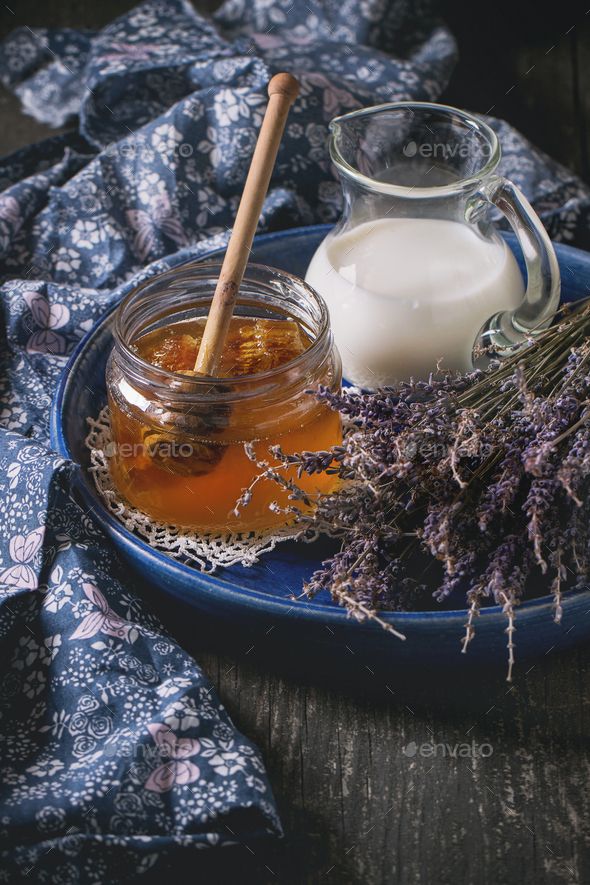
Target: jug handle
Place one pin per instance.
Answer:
(510, 330)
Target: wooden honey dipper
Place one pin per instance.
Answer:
(282, 92)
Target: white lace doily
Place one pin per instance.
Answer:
(207, 552)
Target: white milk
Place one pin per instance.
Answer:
(405, 292)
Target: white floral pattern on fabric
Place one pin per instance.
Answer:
(108, 727)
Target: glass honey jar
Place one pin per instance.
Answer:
(178, 439)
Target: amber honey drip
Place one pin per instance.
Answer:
(197, 481)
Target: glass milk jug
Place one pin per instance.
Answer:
(415, 274)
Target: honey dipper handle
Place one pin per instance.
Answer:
(282, 92)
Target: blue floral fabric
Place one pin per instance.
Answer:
(115, 753)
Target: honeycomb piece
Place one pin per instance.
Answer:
(259, 345)
(174, 351)
(252, 346)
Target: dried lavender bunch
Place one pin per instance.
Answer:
(475, 482)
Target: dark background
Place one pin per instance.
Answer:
(518, 60)
(355, 808)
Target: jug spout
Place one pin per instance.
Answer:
(363, 145)
(343, 143)
(336, 124)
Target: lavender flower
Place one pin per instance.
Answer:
(476, 484)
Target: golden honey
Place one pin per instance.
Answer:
(178, 452)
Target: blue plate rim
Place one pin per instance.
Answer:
(272, 605)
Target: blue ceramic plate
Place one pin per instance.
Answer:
(261, 597)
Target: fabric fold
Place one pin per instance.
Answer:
(109, 729)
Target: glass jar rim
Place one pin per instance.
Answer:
(461, 186)
(194, 385)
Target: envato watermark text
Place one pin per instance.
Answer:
(160, 449)
(464, 750)
(442, 150)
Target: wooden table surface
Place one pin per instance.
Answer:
(362, 763)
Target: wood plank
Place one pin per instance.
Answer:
(521, 68)
(356, 808)
(581, 74)
(18, 129)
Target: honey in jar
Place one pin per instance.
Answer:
(179, 452)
